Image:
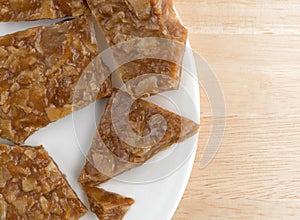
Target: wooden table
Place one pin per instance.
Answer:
(253, 48)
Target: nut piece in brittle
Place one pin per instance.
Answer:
(148, 37)
(32, 187)
(130, 133)
(45, 74)
(107, 205)
(24, 10)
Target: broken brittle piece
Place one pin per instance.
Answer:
(23, 10)
(130, 133)
(150, 32)
(32, 187)
(107, 205)
(40, 70)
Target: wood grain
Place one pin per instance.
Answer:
(253, 47)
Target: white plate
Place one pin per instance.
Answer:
(157, 186)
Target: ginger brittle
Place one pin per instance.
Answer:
(107, 205)
(39, 72)
(138, 26)
(25, 10)
(32, 187)
(116, 148)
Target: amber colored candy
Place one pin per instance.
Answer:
(107, 205)
(111, 154)
(32, 187)
(129, 20)
(40, 69)
(25, 10)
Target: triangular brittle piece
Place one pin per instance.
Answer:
(131, 132)
(107, 205)
(153, 33)
(25, 10)
(42, 71)
(32, 187)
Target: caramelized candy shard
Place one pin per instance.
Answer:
(24, 10)
(131, 20)
(39, 72)
(107, 205)
(111, 154)
(32, 187)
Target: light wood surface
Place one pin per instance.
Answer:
(253, 47)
